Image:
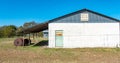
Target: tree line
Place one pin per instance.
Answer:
(12, 30)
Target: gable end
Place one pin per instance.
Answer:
(74, 17)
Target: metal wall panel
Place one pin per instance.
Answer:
(77, 35)
(93, 18)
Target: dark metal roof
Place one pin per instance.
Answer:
(44, 26)
(36, 28)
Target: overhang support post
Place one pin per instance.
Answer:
(23, 40)
(36, 35)
(33, 37)
(29, 39)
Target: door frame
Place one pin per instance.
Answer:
(55, 38)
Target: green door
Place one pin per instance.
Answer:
(59, 38)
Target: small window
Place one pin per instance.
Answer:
(45, 32)
(59, 33)
(84, 17)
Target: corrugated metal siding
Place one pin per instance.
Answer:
(93, 18)
(45, 34)
(85, 35)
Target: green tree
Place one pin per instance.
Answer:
(19, 29)
(40, 34)
(1, 31)
(29, 24)
(1, 34)
(8, 31)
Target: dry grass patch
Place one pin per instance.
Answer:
(29, 54)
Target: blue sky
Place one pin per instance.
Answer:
(17, 12)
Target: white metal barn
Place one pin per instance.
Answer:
(84, 28)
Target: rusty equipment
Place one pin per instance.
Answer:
(22, 42)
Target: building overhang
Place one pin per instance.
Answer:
(36, 28)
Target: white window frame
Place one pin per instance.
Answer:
(84, 16)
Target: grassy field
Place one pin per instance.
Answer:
(37, 54)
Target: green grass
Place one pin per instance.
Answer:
(6, 39)
(29, 54)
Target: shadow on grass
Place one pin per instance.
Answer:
(32, 43)
(42, 43)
